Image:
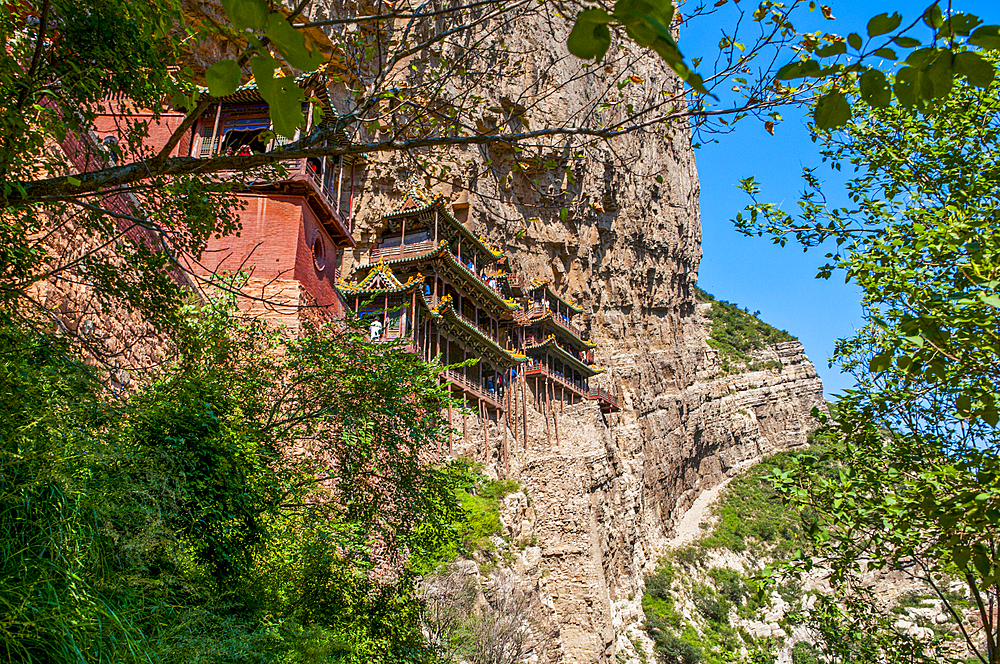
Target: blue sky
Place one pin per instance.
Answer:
(753, 272)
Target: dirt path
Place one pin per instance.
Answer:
(689, 528)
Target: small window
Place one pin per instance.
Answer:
(319, 252)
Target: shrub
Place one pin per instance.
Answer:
(672, 649)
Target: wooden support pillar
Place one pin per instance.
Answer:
(548, 433)
(449, 426)
(465, 421)
(483, 413)
(524, 409)
(562, 398)
(555, 421)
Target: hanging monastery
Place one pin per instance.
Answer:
(426, 282)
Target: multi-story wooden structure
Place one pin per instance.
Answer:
(431, 282)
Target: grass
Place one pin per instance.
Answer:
(736, 334)
(750, 514)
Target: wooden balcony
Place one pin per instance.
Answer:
(534, 367)
(538, 309)
(609, 404)
(468, 386)
(395, 253)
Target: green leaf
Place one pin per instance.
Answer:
(941, 74)
(883, 23)
(292, 44)
(563, 213)
(223, 78)
(986, 36)
(992, 300)
(880, 362)
(590, 37)
(262, 67)
(286, 110)
(979, 71)
(886, 53)
(875, 89)
(73, 181)
(246, 13)
(933, 16)
(836, 48)
(854, 39)
(798, 69)
(905, 86)
(959, 24)
(832, 111)
(906, 42)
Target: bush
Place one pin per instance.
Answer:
(804, 653)
(672, 649)
(712, 607)
(736, 334)
(729, 583)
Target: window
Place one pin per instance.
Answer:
(319, 251)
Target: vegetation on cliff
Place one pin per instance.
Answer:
(737, 335)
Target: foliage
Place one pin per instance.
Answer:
(752, 515)
(478, 498)
(916, 462)
(252, 500)
(736, 334)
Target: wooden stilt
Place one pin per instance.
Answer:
(465, 423)
(449, 428)
(555, 421)
(524, 410)
(548, 433)
(562, 398)
(486, 428)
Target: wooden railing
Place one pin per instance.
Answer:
(471, 385)
(532, 366)
(603, 395)
(402, 251)
(558, 320)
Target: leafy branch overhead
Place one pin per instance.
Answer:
(923, 77)
(260, 28)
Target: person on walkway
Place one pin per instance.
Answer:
(375, 331)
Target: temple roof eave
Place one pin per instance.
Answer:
(441, 252)
(437, 202)
(550, 344)
(544, 283)
(446, 311)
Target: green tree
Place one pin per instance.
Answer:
(916, 442)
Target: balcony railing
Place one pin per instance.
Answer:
(473, 386)
(601, 394)
(558, 319)
(403, 251)
(579, 386)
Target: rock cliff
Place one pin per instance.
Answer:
(604, 490)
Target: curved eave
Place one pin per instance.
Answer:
(550, 344)
(548, 317)
(348, 289)
(536, 284)
(447, 311)
(438, 203)
(442, 252)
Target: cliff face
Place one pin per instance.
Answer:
(605, 490)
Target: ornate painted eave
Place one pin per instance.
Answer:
(548, 316)
(550, 344)
(446, 310)
(380, 280)
(442, 253)
(416, 202)
(544, 283)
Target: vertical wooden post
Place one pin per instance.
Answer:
(484, 414)
(465, 422)
(450, 428)
(548, 432)
(213, 148)
(402, 237)
(524, 408)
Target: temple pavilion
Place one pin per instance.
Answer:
(445, 292)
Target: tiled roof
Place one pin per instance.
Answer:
(544, 283)
(442, 252)
(550, 315)
(416, 202)
(446, 309)
(380, 281)
(550, 344)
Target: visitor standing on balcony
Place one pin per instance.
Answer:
(375, 331)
